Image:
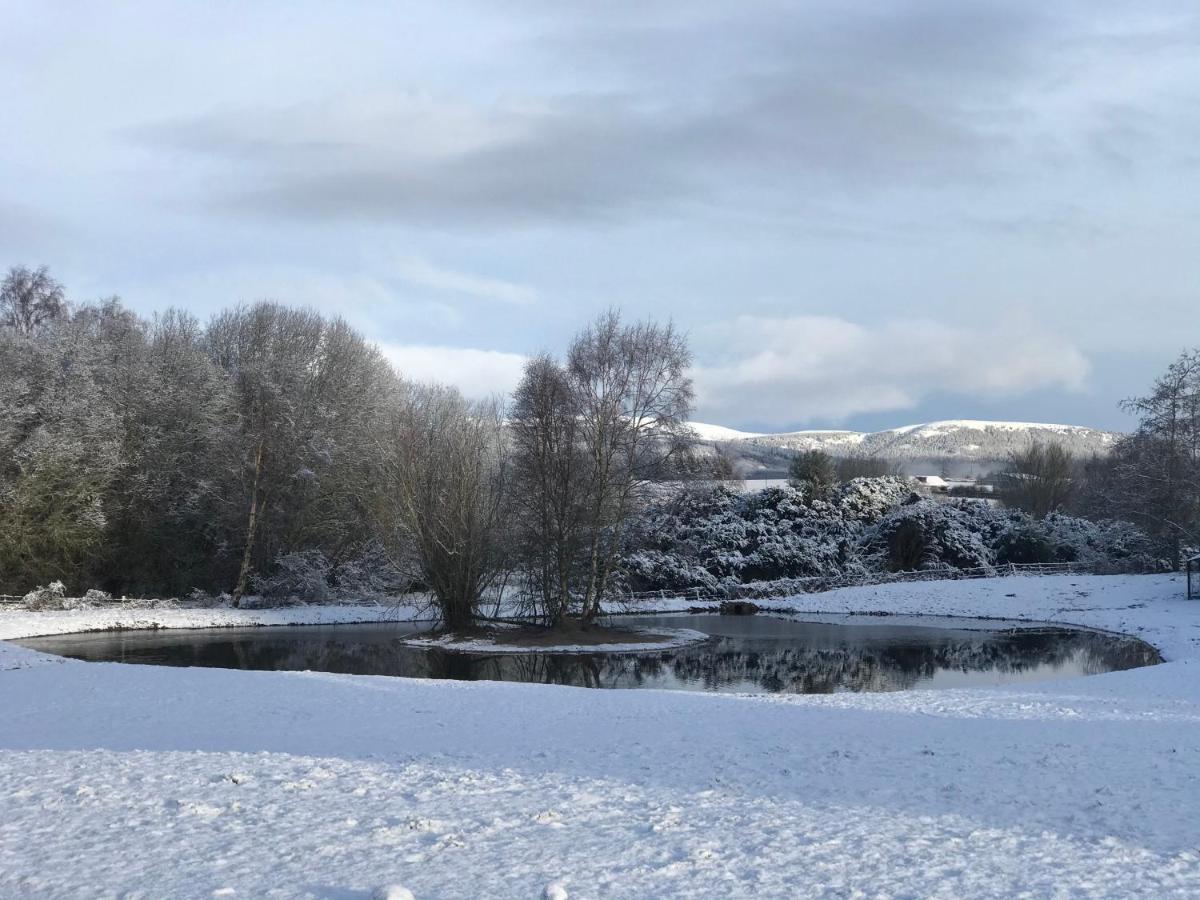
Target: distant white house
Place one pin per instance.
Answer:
(933, 482)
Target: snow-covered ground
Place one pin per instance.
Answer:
(121, 780)
(18, 623)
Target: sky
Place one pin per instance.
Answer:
(863, 215)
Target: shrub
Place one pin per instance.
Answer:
(302, 576)
(931, 535)
(50, 596)
(906, 546)
(720, 537)
(370, 575)
(1027, 545)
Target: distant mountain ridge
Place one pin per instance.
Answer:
(974, 443)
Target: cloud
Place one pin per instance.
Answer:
(755, 106)
(422, 273)
(802, 101)
(477, 373)
(413, 158)
(804, 368)
(783, 371)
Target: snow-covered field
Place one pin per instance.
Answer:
(120, 780)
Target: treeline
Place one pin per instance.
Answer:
(274, 450)
(155, 457)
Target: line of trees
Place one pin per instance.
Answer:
(274, 449)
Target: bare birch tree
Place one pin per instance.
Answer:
(589, 436)
(1154, 474)
(550, 470)
(443, 465)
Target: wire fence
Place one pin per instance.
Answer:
(122, 602)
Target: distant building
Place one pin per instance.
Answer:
(935, 483)
(947, 489)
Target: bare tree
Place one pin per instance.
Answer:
(634, 396)
(550, 471)
(1040, 479)
(29, 299)
(589, 436)
(1154, 474)
(443, 464)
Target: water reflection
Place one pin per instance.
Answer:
(756, 654)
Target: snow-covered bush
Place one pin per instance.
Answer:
(370, 575)
(54, 596)
(50, 596)
(867, 500)
(709, 537)
(931, 535)
(302, 577)
(719, 537)
(1107, 545)
(1028, 544)
(309, 577)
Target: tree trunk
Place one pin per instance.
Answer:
(251, 528)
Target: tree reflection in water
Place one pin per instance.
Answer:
(760, 654)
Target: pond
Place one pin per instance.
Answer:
(757, 654)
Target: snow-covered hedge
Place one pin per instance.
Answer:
(705, 538)
(708, 538)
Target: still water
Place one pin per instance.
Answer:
(758, 654)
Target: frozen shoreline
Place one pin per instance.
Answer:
(297, 784)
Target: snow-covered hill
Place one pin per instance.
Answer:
(962, 440)
(708, 432)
